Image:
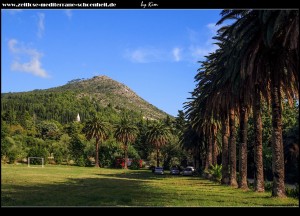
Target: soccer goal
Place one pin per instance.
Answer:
(35, 161)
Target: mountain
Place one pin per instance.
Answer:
(108, 91)
(98, 94)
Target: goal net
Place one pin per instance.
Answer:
(35, 161)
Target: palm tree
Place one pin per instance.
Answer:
(232, 149)
(243, 146)
(158, 135)
(259, 183)
(126, 133)
(191, 141)
(98, 129)
(282, 41)
(258, 59)
(225, 136)
(268, 44)
(214, 132)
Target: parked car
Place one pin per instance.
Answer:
(188, 171)
(152, 168)
(174, 171)
(193, 169)
(159, 170)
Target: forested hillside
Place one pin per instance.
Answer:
(86, 97)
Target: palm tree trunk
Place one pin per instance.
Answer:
(214, 145)
(259, 184)
(208, 154)
(243, 148)
(232, 149)
(97, 154)
(197, 158)
(277, 145)
(225, 135)
(157, 157)
(125, 155)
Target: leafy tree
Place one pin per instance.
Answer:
(172, 151)
(4, 129)
(126, 133)
(48, 130)
(180, 121)
(9, 116)
(140, 144)
(38, 151)
(76, 148)
(98, 129)
(158, 135)
(61, 150)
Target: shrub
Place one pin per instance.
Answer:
(174, 162)
(293, 192)
(216, 172)
(12, 150)
(268, 186)
(135, 164)
(38, 151)
(80, 161)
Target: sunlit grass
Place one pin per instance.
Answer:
(80, 186)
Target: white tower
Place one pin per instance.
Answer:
(78, 118)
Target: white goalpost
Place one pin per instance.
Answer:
(41, 158)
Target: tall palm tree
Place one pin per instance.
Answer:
(225, 162)
(190, 140)
(158, 135)
(214, 132)
(259, 183)
(282, 42)
(98, 129)
(232, 149)
(258, 57)
(126, 133)
(268, 43)
(243, 146)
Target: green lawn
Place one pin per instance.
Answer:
(80, 186)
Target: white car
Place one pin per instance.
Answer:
(193, 169)
(159, 170)
(188, 171)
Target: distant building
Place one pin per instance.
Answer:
(78, 118)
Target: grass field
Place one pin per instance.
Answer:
(80, 186)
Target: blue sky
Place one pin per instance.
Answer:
(153, 52)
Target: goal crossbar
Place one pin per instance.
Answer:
(35, 158)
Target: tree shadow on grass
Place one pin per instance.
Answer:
(142, 175)
(148, 175)
(84, 192)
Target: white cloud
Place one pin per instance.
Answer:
(11, 45)
(33, 66)
(41, 24)
(176, 54)
(198, 52)
(68, 12)
(199, 48)
(145, 55)
(213, 28)
(198, 44)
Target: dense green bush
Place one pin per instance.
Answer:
(38, 151)
(108, 152)
(81, 161)
(76, 148)
(12, 150)
(135, 164)
(293, 192)
(216, 172)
